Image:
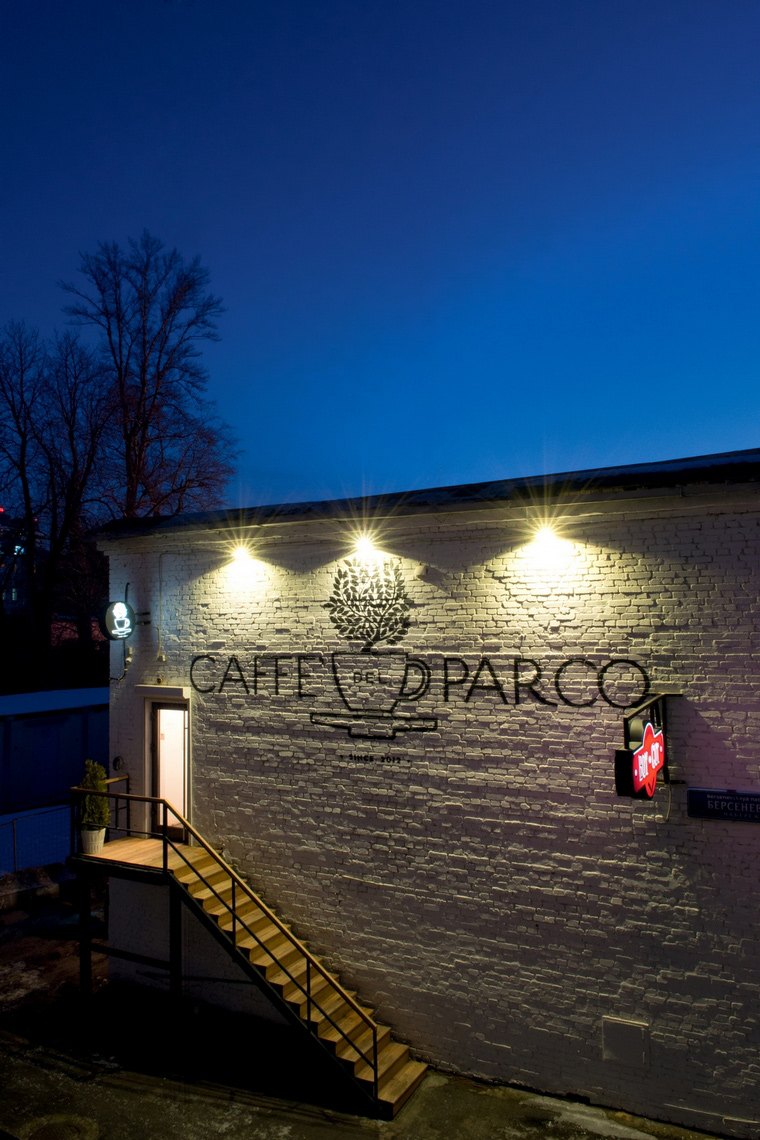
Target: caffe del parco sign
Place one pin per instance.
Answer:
(372, 688)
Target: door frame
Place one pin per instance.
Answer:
(154, 774)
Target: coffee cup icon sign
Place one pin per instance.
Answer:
(118, 621)
(121, 620)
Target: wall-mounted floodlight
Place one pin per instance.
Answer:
(548, 551)
(365, 548)
(243, 570)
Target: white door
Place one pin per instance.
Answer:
(170, 762)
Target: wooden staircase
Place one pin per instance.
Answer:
(314, 997)
(325, 1008)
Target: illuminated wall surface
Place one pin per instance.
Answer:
(446, 832)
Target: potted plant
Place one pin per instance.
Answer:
(95, 809)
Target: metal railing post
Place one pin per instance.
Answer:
(234, 916)
(175, 942)
(165, 838)
(308, 994)
(374, 1061)
(15, 848)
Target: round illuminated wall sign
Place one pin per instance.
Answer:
(118, 621)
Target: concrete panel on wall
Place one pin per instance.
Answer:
(139, 923)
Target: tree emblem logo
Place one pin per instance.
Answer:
(369, 602)
(369, 605)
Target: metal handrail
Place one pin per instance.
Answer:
(238, 882)
(237, 921)
(121, 780)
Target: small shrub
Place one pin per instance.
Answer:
(95, 809)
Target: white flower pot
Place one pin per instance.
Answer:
(92, 841)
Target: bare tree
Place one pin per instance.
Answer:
(53, 417)
(165, 449)
(22, 380)
(119, 428)
(71, 432)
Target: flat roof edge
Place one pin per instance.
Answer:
(733, 467)
(55, 700)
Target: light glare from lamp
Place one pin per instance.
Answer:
(549, 551)
(365, 548)
(243, 570)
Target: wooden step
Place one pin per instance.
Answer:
(333, 1004)
(201, 859)
(289, 957)
(320, 992)
(358, 1044)
(248, 912)
(394, 1093)
(296, 972)
(347, 1023)
(201, 888)
(250, 920)
(203, 865)
(264, 953)
(296, 969)
(261, 933)
(261, 938)
(292, 985)
(245, 909)
(213, 886)
(191, 876)
(247, 930)
(338, 1025)
(390, 1059)
(245, 939)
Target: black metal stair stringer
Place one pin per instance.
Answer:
(183, 894)
(323, 1004)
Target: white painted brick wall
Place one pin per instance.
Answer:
(489, 893)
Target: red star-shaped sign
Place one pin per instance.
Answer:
(648, 759)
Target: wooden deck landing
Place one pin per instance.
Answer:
(147, 853)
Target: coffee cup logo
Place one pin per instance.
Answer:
(369, 604)
(374, 683)
(121, 623)
(118, 621)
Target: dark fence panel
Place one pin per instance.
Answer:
(34, 839)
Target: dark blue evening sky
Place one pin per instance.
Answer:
(457, 239)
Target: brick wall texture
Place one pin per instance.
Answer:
(475, 876)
